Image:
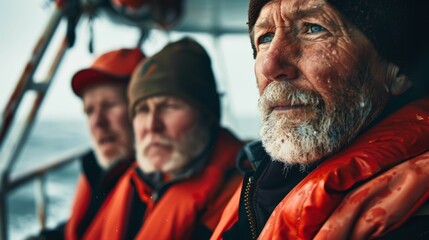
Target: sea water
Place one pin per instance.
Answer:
(48, 139)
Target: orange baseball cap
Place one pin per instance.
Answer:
(111, 67)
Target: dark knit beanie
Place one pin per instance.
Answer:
(181, 69)
(396, 28)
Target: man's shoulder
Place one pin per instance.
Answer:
(251, 156)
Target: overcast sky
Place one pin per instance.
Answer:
(23, 22)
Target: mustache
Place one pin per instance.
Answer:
(156, 139)
(286, 93)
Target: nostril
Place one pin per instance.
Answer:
(282, 77)
(287, 73)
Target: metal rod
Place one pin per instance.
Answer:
(40, 193)
(40, 197)
(28, 74)
(3, 209)
(9, 112)
(15, 148)
(57, 162)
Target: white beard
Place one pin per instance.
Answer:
(318, 137)
(190, 145)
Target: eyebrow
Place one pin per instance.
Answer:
(297, 13)
(156, 100)
(264, 23)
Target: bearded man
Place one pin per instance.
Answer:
(340, 156)
(185, 171)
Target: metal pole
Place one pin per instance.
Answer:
(28, 73)
(40, 196)
(15, 148)
(3, 207)
(41, 93)
(25, 83)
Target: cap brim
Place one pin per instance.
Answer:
(90, 77)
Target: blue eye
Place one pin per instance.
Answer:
(314, 28)
(266, 38)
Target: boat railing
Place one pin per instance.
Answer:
(12, 144)
(38, 176)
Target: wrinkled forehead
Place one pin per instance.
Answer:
(290, 10)
(296, 6)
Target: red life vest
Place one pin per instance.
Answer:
(84, 192)
(302, 212)
(383, 203)
(80, 204)
(199, 199)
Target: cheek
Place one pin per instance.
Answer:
(138, 128)
(328, 68)
(180, 124)
(121, 121)
(126, 124)
(320, 69)
(259, 78)
(91, 123)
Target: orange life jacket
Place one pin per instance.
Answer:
(304, 210)
(384, 203)
(81, 203)
(197, 200)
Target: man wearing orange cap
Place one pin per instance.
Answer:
(185, 170)
(102, 88)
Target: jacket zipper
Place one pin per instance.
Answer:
(248, 206)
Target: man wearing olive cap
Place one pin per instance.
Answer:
(344, 146)
(185, 171)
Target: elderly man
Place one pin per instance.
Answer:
(330, 74)
(185, 171)
(103, 90)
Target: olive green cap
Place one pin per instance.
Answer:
(181, 69)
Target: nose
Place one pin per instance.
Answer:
(278, 62)
(99, 118)
(153, 122)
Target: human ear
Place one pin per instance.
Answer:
(399, 82)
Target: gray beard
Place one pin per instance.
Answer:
(193, 143)
(190, 145)
(318, 137)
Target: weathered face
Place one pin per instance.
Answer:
(320, 80)
(168, 133)
(106, 110)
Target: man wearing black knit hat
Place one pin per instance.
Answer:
(185, 172)
(344, 146)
